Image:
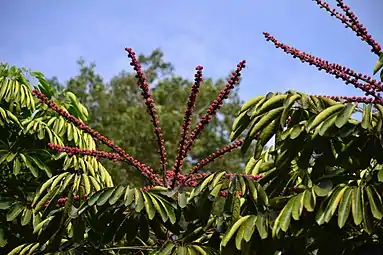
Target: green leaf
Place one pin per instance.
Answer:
(29, 165)
(296, 131)
(138, 201)
(236, 208)
(5, 204)
(150, 209)
(229, 234)
(344, 115)
(26, 216)
(93, 199)
(252, 190)
(182, 200)
(366, 116)
(356, 205)
(262, 193)
(297, 206)
(379, 64)
(344, 207)
(308, 200)
(16, 166)
(3, 239)
(15, 211)
(333, 203)
(375, 202)
(249, 227)
(159, 208)
(105, 196)
(116, 195)
(285, 215)
(323, 115)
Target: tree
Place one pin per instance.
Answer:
(317, 190)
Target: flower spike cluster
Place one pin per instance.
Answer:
(216, 104)
(350, 20)
(143, 85)
(118, 154)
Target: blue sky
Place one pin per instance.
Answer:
(50, 36)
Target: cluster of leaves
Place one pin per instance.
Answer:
(26, 128)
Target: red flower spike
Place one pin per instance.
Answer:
(187, 122)
(217, 154)
(143, 85)
(350, 20)
(363, 82)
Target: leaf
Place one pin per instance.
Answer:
(166, 249)
(264, 121)
(28, 163)
(182, 200)
(366, 116)
(356, 205)
(285, 216)
(246, 231)
(3, 239)
(116, 194)
(159, 208)
(5, 205)
(15, 211)
(296, 131)
(344, 115)
(239, 125)
(252, 190)
(324, 115)
(262, 193)
(249, 227)
(229, 234)
(105, 196)
(150, 209)
(236, 208)
(327, 124)
(16, 166)
(333, 203)
(253, 101)
(129, 196)
(272, 103)
(344, 208)
(375, 202)
(378, 65)
(289, 102)
(297, 206)
(139, 200)
(308, 200)
(26, 216)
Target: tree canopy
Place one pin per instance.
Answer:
(316, 190)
